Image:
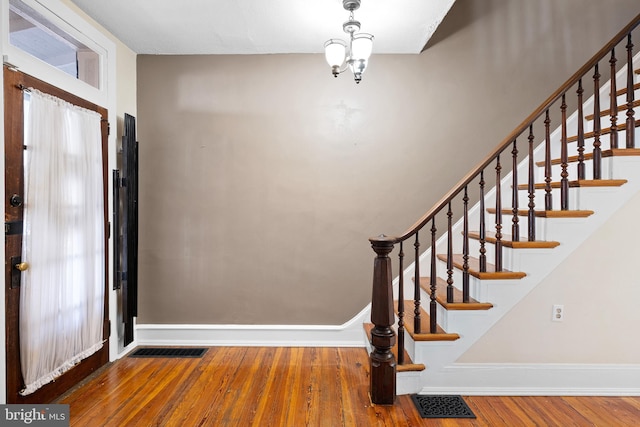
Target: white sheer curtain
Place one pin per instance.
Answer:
(62, 292)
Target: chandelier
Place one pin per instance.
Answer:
(356, 54)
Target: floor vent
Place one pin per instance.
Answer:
(431, 406)
(168, 352)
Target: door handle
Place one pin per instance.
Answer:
(22, 266)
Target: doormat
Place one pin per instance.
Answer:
(168, 352)
(439, 406)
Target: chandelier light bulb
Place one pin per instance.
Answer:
(362, 46)
(335, 52)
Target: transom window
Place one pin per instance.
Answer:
(36, 35)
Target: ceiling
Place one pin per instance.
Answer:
(261, 26)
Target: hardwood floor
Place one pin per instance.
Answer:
(291, 387)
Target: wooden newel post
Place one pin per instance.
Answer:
(382, 362)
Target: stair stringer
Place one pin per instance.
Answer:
(440, 357)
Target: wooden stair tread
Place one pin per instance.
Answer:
(425, 335)
(547, 214)
(607, 112)
(604, 131)
(474, 269)
(408, 365)
(457, 304)
(612, 152)
(578, 183)
(490, 237)
(624, 89)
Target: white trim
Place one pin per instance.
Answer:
(546, 379)
(349, 334)
(118, 350)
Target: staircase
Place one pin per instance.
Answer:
(523, 210)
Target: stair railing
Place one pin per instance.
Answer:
(552, 110)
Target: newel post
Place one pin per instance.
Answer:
(382, 362)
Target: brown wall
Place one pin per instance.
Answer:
(263, 176)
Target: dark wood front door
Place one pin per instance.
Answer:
(14, 83)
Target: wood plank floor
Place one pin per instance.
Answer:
(291, 387)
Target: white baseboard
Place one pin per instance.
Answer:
(492, 379)
(350, 334)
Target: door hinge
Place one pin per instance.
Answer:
(107, 329)
(108, 126)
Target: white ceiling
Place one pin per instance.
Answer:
(262, 26)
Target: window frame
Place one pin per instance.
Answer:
(71, 23)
